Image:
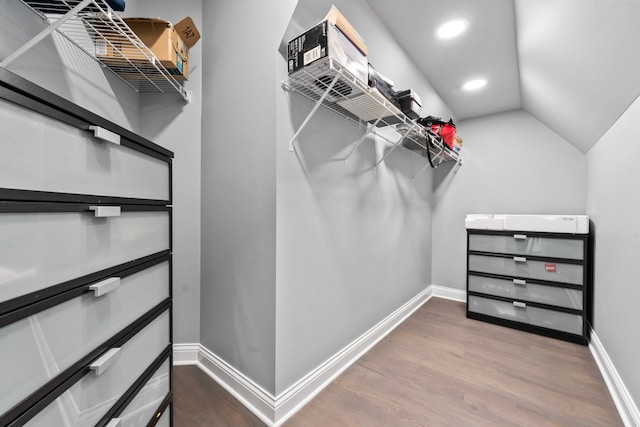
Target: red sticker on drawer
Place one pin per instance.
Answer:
(550, 268)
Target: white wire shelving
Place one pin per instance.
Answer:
(332, 86)
(102, 34)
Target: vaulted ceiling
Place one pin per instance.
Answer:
(573, 64)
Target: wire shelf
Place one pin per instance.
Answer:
(331, 85)
(99, 32)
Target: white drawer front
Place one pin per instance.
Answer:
(561, 297)
(86, 402)
(37, 348)
(39, 250)
(521, 244)
(143, 407)
(566, 322)
(527, 269)
(165, 420)
(32, 141)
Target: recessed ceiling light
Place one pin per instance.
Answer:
(452, 28)
(474, 84)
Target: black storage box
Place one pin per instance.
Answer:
(325, 40)
(409, 103)
(376, 80)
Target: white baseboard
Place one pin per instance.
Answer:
(185, 354)
(624, 402)
(251, 395)
(453, 294)
(272, 410)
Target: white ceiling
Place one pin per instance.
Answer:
(573, 64)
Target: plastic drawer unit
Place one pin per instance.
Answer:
(165, 419)
(107, 378)
(41, 249)
(85, 280)
(36, 351)
(144, 407)
(81, 161)
(537, 281)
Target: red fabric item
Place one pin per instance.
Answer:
(448, 134)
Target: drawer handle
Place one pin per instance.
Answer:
(520, 236)
(519, 304)
(519, 259)
(105, 286)
(104, 362)
(519, 282)
(105, 211)
(105, 135)
(115, 422)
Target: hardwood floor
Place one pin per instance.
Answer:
(198, 401)
(436, 369)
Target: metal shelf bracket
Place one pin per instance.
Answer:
(403, 135)
(313, 111)
(44, 33)
(370, 129)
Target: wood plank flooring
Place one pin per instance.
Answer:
(198, 401)
(436, 369)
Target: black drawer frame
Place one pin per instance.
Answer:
(586, 288)
(27, 95)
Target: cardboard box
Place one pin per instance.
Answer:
(169, 43)
(325, 40)
(336, 18)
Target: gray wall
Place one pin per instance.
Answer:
(613, 205)
(172, 123)
(576, 93)
(352, 245)
(239, 183)
(301, 254)
(512, 164)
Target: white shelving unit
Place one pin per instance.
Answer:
(329, 84)
(98, 31)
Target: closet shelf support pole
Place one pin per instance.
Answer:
(44, 33)
(458, 164)
(313, 111)
(395, 145)
(427, 166)
(370, 129)
(438, 156)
